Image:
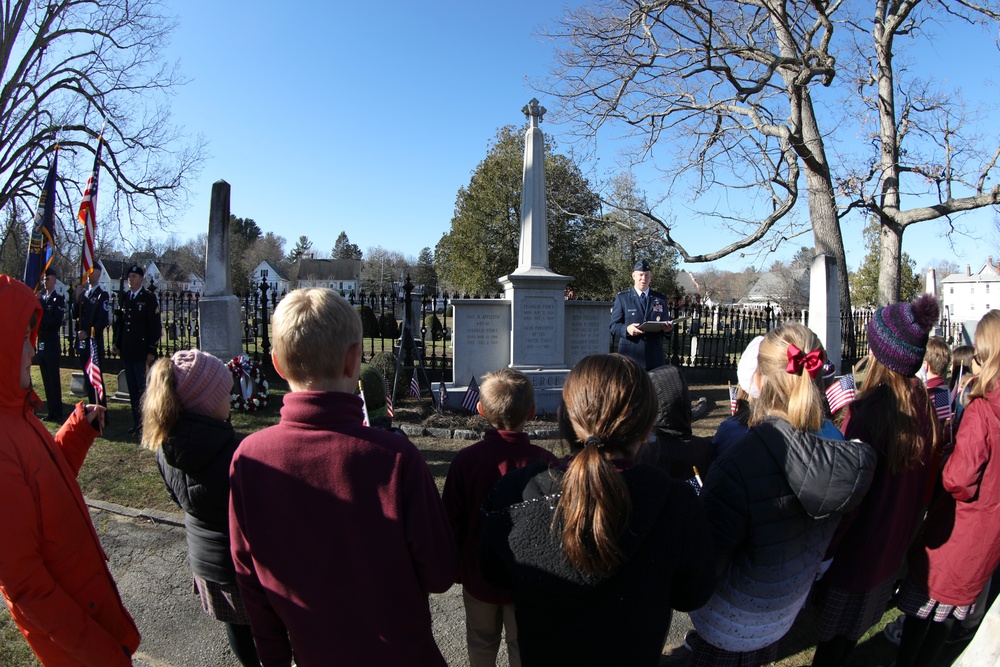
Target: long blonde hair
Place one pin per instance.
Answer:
(608, 406)
(161, 405)
(795, 397)
(988, 354)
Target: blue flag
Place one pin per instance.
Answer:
(43, 233)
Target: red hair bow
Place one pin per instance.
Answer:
(797, 360)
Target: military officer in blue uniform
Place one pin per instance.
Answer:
(92, 310)
(633, 307)
(49, 353)
(137, 339)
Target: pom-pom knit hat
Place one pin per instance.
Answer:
(897, 334)
(202, 381)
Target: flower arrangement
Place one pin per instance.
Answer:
(252, 395)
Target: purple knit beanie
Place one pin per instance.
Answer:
(897, 333)
(202, 381)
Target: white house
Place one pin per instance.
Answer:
(968, 296)
(169, 277)
(343, 275)
(274, 276)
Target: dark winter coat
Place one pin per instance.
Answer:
(194, 462)
(566, 617)
(647, 348)
(774, 500)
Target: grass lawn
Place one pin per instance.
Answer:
(118, 470)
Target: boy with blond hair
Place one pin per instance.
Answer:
(507, 401)
(338, 532)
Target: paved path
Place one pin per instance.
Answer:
(148, 555)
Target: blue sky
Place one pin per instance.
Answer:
(339, 116)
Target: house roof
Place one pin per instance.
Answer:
(329, 269)
(271, 269)
(975, 278)
(772, 285)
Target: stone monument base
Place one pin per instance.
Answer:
(219, 326)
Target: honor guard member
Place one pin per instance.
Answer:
(92, 311)
(49, 352)
(635, 306)
(137, 338)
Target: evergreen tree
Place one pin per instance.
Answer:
(344, 249)
(864, 281)
(301, 248)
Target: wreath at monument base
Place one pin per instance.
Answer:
(248, 376)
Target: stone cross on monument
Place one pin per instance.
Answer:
(218, 309)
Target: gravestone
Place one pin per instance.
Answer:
(532, 329)
(824, 306)
(218, 308)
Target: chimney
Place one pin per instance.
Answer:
(968, 270)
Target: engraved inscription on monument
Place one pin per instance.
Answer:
(538, 326)
(482, 330)
(583, 333)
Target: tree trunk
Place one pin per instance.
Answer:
(890, 258)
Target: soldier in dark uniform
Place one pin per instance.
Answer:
(49, 346)
(137, 338)
(92, 312)
(635, 306)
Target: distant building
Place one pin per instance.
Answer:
(169, 277)
(343, 275)
(275, 277)
(968, 296)
(787, 289)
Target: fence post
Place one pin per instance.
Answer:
(265, 341)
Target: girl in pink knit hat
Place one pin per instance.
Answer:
(185, 420)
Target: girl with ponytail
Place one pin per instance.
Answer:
(185, 421)
(774, 499)
(600, 539)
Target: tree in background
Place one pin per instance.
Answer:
(67, 66)
(424, 275)
(632, 236)
(243, 232)
(482, 244)
(384, 271)
(302, 247)
(865, 281)
(13, 242)
(344, 249)
(730, 86)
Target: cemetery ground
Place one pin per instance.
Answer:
(121, 473)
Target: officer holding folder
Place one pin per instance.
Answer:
(639, 320)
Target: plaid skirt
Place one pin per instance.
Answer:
(706, 655)
(914, 602)
(850, 614)
(222, 602)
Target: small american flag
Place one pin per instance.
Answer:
(415, 386)
(841, 392)
(364, 405)
(471, 397)
(388, 396)
(733, 390)
(942, 402)
(93, 372)
(442, 395)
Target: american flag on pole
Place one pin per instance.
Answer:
(471, 397)
(415, 386)
(841, 392)
(733, 390)
(92, 370)
(88, 214)
(942, 402)
(388, 397)
(364, 405)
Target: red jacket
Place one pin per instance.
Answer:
(53, 571)
(960, 546)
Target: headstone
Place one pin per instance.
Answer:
(218, 309)
(587, 330)
(480, 338)
(824, 306)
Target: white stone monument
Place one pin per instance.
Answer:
(824, 306)
(533, 329)
(218, 308)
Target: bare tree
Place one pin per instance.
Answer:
(730, 85)
(942, 153)
(69, 66)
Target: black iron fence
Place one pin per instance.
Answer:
(708, 337)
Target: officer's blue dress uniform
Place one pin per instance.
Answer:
(647, 348)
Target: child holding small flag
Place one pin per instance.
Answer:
(507, 401)
(892, 412)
